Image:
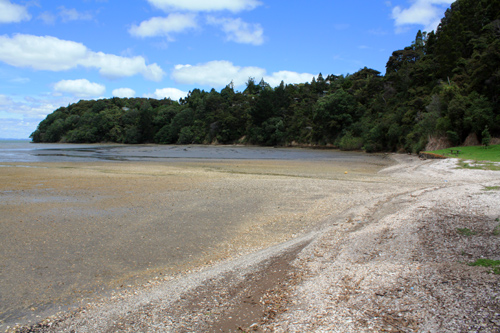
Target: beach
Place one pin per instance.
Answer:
(103, 218)
(192, 244)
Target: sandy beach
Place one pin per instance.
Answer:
(256, 245)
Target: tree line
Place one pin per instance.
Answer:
(445, 85)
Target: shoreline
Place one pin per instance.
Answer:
(348, 263)
(406, 268)
(68, 152)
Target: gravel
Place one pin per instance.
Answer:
(400, 264)
(391, 255)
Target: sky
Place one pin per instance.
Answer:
(54, 53)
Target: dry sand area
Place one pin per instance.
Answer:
(233, 245)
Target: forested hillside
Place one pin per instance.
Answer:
(445, 85)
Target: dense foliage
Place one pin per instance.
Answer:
(445, 84)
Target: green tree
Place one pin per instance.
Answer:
(486, 137)
(332, 114)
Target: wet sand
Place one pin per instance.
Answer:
(72, 231)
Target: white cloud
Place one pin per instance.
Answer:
(66, 15)
(206, 5)
(172, 93)
(29, 108)
(123, 92)
(239, 31)
(164, 26)
(80, 88)
(427, 13)
(287, 77)
(53, 54)
(220, 73)
(20, 117)
(73, 15)
(47, 17)
(20, 80)
(5, 100)
(34, 108)
(11, 13)
(114, 67)
(215, 73)
(42, 53)
(15, 128)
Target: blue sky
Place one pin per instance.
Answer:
(53, 53)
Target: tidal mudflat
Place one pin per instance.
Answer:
(72, 231)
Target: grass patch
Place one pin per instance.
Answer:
(491, 188)
(479, 165)
(475, 153)
(466, 232)
(496, 231)
(494, 264)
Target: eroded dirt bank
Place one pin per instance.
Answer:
(382, 251)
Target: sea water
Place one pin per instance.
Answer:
(12, 151)
(26, 151)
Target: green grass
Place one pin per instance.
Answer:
(491, 188)
(496, 231)
(479, 165)
(475, 153)
(466, 232)
(494, 264)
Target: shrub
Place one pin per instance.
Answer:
(349, 142)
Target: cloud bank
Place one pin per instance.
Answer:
(205, 5)
(20, 117)
(124, 93)
(71, 14)
(239, 31)
(178, 20)
(12, 13)
(54, 54)
(172, 93)
(164, 26)
(80, 88)
(220, 73)
(427, 13)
